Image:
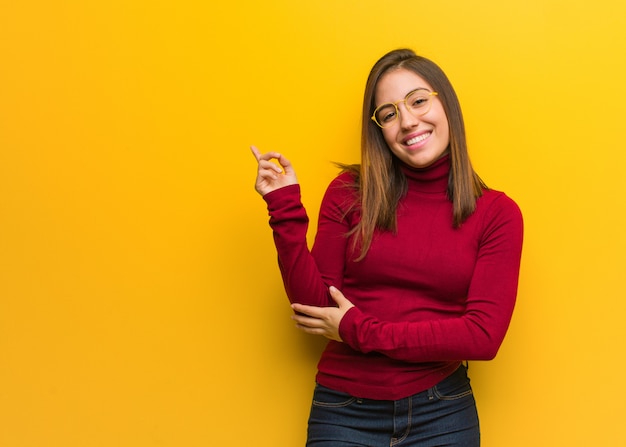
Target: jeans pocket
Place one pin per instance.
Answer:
(325, 397)
(455, 386)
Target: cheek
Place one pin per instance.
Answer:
(446, 136)
(389, 136)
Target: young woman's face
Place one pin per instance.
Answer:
(416, 140)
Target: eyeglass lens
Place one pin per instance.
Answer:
(417, 102)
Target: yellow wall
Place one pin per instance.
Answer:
(140, 302)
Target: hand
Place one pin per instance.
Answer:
(270, 176)
(323, 320)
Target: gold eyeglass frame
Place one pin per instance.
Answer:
(395, 105)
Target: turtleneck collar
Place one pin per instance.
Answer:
(431, 179)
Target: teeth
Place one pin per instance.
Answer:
(417, 139)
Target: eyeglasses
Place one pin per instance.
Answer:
(418, 102)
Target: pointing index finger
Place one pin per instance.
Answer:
(256, 152)
(267, 156)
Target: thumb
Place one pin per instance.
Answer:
(338, 297)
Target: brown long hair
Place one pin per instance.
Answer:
(381, 181)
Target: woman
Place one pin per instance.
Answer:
(414, 268)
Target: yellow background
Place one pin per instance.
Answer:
(140, 302)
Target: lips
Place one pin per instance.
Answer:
(417, 139)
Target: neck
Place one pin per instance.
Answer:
(432, 178)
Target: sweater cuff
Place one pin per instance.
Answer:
(348, 327)
(274, 198)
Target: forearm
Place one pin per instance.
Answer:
(306, 275)
(468, 337)
(471, 330)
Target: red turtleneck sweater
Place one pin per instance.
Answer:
(426, 297)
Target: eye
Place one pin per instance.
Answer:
(418, 100)
(386, 114)
(388, 117)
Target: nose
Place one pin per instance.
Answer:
(407, 119)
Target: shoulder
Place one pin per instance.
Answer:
(497, 212)
(344, 185)
(344, 180)
(342, 194)
(493, 201)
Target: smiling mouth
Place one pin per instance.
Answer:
(417, 139)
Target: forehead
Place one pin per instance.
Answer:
(394, 85)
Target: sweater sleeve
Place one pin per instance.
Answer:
(307, 274)
(478, 332)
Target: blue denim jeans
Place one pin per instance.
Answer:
(444, 415)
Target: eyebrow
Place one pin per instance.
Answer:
(405, 96)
